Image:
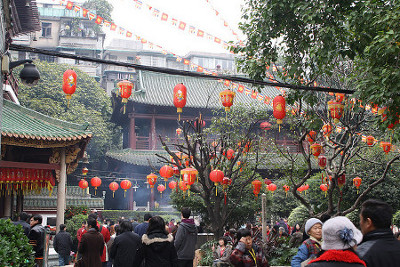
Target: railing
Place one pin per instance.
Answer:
(143, 142)
(291, 145)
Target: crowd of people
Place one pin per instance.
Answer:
(324, 242)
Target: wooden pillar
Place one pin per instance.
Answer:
(152, 198)
(61, 196)
(130, 203)
(20, 202)
(132, 133)
(8, 199)
(153, 139)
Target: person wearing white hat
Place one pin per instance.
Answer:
(340, 237)
(311, 246)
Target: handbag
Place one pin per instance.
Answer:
(79, 263)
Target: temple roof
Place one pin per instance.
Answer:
(156, 89)
(22, 123)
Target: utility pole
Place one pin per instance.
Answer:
(263, 215)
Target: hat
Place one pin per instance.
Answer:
(310, 223)
(340, 233)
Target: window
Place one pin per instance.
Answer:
(112, 57)
(131, 59)
(46, 29)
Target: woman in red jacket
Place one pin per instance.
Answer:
(91, 246)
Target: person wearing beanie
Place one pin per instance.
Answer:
(340, 239)
(311, 246)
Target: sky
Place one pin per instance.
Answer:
(197, 13)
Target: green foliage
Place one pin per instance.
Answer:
(74, 223)
(102, 8)
(396, 218)
(14, 246)
(89, 104)
(207, 256)
(354, 217)
(283, 253)
(75, 210)
(298, 215)
(129, 214)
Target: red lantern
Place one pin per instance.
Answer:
(216, 176)
(279, 105)
(265, 126)
(85, 171)
(386, 146)
(178, 131)
(267, 181)
(161, 188)
(272, 188)
(69, 84)
(230, 153)
(327, 130)
(324, 188)
(336, 110)
(202, 123)
(180, 96)
(286, 188)
(256, 187)
(316, 149)
(126, 185)
(301, 188)
(176, 170)
(166, 172)
(95, 182)
(172, 185)
(322, 161)
(113, 187)
(357, 182)
(125, 90)
(339, 97)
(341, 180)
(83, 184)
(225, 183)
(227, 97)
(151, 179)
(182, 186)
(311, 137)
(189, 176)
(370, 140)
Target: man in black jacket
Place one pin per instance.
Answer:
(22, 220)
(36, 238)
(62, 245)
(379, 247)
(186, 239)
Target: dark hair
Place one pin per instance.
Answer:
(92, 216)
(156, 223)
(186, 212)
(24, 216)
(38, 218)
(325, 217)
(92, 223)
(223, 238)
(117, 229)
(125, 226)
(378, 211)
(147, 217)
(62, 227)
(397, 234)
(242, 232)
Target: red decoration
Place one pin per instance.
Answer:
(336, 110)
(324, 188)
(341, 180)
(180, 96)
(386, 146)
(182, 186)
(339, 97)
(126, 185)
(69, 84)
(178, 131)
(370, 140)
(230, 154)
(322, 161)
(227, 97)
(113, 187)
(161, 188)
(279, 105)
(189, 176)
(267, 181)
(83, 184)
(327, 130)
(316, 149)
(265, 126)
(95, 182)
(166, 172)
(311, 137)
(357, 182)
(125, 90)
(176, 170)
(202, 123)
(172, 185)
(85, 171)
(271, 188)
(256, 187)
(216, 176)
(286, 188)
(225, 183)
(151, 179)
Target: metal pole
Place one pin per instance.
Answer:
(61, 198)
(263, 210)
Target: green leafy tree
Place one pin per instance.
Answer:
(103, 9)
(89, 104)
(74, 223)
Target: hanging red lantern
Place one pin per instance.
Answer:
(85, 171)
(225, 183)
(322, 161)
(161, 188)
(166, 172)
(69, 84)
(227, 97)
(180, 96)
(216, 176)
(316, 149)
(113, 187)
(267, 181)
(176, 170)
(311, 137)
(202, 123)
(286, 188)
(182, 186)
(151, 179)
(178, 131)
(125, 90)
(95, 182)
(357, 182)
(370, 140)
(83, 184)
(126, 185)
(172, 185)
(386, 146)
(279, 105)
(189, 176)
(301, 188)
(272, 188)
(265, 126)
(230, 154)
(341, 180)
(324, 188)
(327, 130)
(339, 97)
(256, 184)
(336, 110)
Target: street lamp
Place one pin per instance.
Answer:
(29, 74)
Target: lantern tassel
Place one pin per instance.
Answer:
(124, 108)
(279, 128)
(225, 198)
(113, 193)
(216, 190)
(95, 190)
(179, 116)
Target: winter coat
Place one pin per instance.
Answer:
(106, 237)
(158, 250)
(91, 248)
(380, 248)
(124, 249)
(36, 240)
(225, 255)
(308, 249)
(337, 258)
(141, 229)
(241, 257)
(62, 243)
(186, 239)
(25, 226)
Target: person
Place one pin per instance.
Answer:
(113, 234)
(62, 244)
(246, 253)
(125, 246)
(142, 228)
(222, 253)
(311, 246)
(80, 232)
(282, 232)
(22, 220)
(296, 229)
(36, 238)
(379, 247)
(106, 237)
(171, 226)
(186, 239)
(397, 235)
(340, 239)
(91, 246)
(158, 247)
(134, 223)
(283, 224)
